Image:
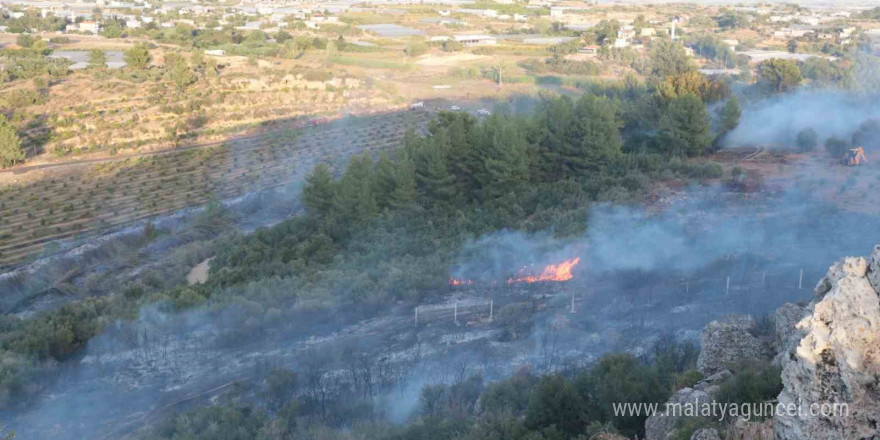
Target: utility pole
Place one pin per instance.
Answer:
(572, 302)
(727, 291)
(801, 280)
(764, 280)
(417, 316)
(491, 306)
(455, 313)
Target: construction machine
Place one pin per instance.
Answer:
(855, 156)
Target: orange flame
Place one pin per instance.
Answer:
(553, 272)
(458, 282)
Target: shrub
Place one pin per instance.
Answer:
(807, 140)
(836, 147)
(753, 382)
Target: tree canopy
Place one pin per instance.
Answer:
(138, 56)
(780, 75)
(10, 144)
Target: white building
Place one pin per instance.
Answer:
(89, 26)
(476, 40)
(556, 13)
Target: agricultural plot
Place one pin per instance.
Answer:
(110, 195)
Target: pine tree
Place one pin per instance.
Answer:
(404, 194)
(10, 144)
(356, 199)
(729, 115)
(97, 58)
(386, 181)
(684, 128)
(499, 157)
(433, 181)
(578, 138)
(599, 131)
(138, 57)
(319, 193)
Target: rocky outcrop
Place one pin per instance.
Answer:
(705, 434)
(787, 333)
(832, 356)
(658, 427)
(727, 342)
(712, 384)
(751, 430)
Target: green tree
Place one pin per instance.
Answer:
(576, 138)
(97, 58)
(621, 378)
(555, 403)
(606, 31)
(282, 36)
(433, 180)
(319, 193)
(685, 128)
(356, 199)
(807, 140)
(836, 147)
(179, 72)
(451, 46)
(25, 40)
(395, 182)
(696, 83)
(138, 56)
(415, 48)
(729, 115)
(792, 46)
(780, 75)
(668, 58)
(10, 144)
(499, 158)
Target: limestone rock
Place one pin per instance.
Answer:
(712, 384)
(787, 333)
(705, 434)
(743, 429)
(728, 341)
(874, 269)
(657, 427)
(837, 360)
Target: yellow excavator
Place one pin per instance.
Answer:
(855, 156)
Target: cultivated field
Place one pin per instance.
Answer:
(95, 198)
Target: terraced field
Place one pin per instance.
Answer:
(100, 197)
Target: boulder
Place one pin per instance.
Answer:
(787, 333)
(658, 426)
(836, 360)
(728, 341)
(706, 434)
